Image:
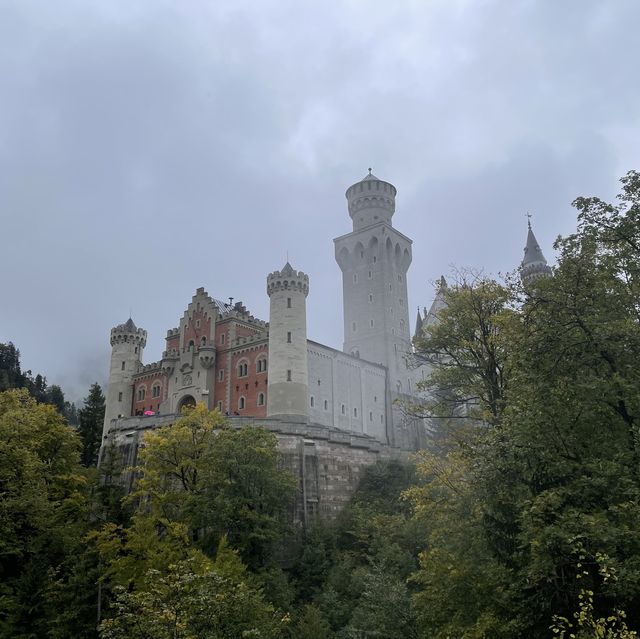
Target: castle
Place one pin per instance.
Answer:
(333, 412)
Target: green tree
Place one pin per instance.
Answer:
(43, 511)
(55, 397)
(191, 603)
(467, 351)
(91, 418)
(10, 374)
(523, 506)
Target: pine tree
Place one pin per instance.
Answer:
(91, 417)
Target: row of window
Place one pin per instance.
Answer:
(242, 402)
(370, 276)
(243, 368)
(354, 325)
(343, 409)
(142, 392)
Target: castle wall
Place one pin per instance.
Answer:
(346, 392)
(326, 462)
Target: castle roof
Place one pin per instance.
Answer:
(129, 325)
(369, 176)
(532, 252)
(287, 269)
(419, 322)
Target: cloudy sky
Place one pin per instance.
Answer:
(149, 147)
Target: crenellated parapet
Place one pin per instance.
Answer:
(128, 333)
(370, 201)
(287, 279)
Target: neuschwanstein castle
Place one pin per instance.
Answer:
(333, 411)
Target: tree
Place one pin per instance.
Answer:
(10, 374)
(43, 510)
(91, 418)
(188, 602)
(466, 350)
(523, 507)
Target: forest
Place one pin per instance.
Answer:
(521, 519)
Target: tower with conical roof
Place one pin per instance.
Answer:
(534, 265)
(127, 343)
(288, 386)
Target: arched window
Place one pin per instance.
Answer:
(261, 365)
(312, 401)
(241, 403)
(203, 341)
(243, 369)
(155, 390)
(192, 344)
(141, 393)
(260, 399)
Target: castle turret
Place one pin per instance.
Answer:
(127, 343)
(288, 390)
(374, 259)
(534, 265)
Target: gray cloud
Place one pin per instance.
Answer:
(151, 147)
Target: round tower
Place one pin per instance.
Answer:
(371, 201)
(288, 390)
(534, 265)
(127, 343)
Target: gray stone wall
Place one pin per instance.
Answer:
(327, 463)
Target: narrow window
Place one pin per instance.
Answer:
(355, 278)
(119, 397)
(289, 375)
(370, 416)
(220, 406)
(288, 337)
(371, 323)
(343, 409)
(197, 323)
(260, 399)
(241, 403)
(222, 338)
(370, 298)
(369, 274)
(221, 375)
(355, 412)
(122, 368)
(135, 350)
(312, 401)
(326, 405)
(375, 259)
(353, 326)
(288, 302)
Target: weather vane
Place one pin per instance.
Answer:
(528, 219)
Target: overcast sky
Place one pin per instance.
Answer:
(150, 147)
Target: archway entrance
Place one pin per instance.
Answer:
(186, 402)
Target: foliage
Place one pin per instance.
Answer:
(91, 418)
(188, 601)
(217, 481)
(519, 508)
(43, 510)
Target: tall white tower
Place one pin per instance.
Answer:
(288, 390)
(374, 259)
(127, 343)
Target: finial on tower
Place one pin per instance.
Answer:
(370, 169)
(528, 219)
